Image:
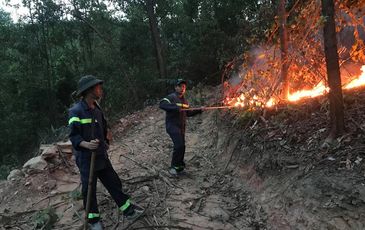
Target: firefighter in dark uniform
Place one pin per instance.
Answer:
(85, 139)
(176, 124)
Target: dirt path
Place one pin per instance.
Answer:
(204, 198)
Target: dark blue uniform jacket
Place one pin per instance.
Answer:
(80, 122)
(175, 117)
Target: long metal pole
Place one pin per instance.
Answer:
(209, 108)
(91, 176)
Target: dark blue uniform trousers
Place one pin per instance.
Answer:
(178, 138)
(111, 181)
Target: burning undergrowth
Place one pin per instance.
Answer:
(254, 80)
(291, 136)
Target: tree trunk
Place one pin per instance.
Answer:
(284, 48)
(333, 70)
(156, 40)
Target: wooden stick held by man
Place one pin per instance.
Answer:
(90, 143)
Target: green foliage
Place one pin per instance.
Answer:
(43, 56)
(4, 171)
(197, 99)
(5, 19)
(204, 35)
(45, 219)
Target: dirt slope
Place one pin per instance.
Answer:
(204, 198)
(266, 173)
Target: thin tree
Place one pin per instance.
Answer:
(156, 39)
(284, 47)
(333, 70)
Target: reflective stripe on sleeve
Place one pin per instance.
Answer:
(82, 121)
(86, 121)
(73, 119)
(182, 105)
(165, 99)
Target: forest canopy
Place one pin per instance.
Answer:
(43, 55)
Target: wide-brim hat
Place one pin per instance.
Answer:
(86, 82)
(180, 81)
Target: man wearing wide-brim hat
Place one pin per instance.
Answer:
(89, 134)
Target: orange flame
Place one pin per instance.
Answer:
(255, 101)
(318, 90)
(271, 102)
(360, 81)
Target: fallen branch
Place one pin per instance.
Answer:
(15, 214)
(48, 197)
(232, 152)
(158, 194)
(163, 226)
(155, 219)
(208, 161)
(152, 170)
(148, 222)
(195, 225)
(64, 160)
(167, 181)
(134, 161)
(134, 221)
(357, 125)
(140, 179)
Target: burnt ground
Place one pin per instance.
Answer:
(244, 171)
